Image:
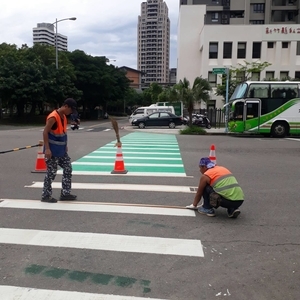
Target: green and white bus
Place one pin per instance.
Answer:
(266, 107)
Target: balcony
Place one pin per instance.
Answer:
(284, 7)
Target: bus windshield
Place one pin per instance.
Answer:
(239, 92)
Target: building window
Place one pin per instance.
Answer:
(241, 76)
(241, 51)
(297, 75)
(256, 49)
(284, 75)
(227, 50)
(270, 45)
(213, 50)
(255, 76)
(298, 48)
(270, 75)
(215, 17)
(285, 45)
(212, 79)
(257, 22)
(259, 8)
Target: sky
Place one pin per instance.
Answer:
(102, 28)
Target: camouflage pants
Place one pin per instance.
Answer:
(65, 163)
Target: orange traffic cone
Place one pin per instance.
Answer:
(40, 165)
(212, 154)
(119, 163)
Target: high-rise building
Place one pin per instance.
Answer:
(154, 42)
(249, 11)
(44, 34)
(254, 31)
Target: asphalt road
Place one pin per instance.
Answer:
(160, 252)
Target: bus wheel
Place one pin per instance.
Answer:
(279, 130)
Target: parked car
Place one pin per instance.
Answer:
(158, 119)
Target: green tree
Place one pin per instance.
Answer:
(101, 84)
(239, 74)
(190, 95)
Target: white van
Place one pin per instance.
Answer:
(144, 111)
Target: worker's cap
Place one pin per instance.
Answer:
(71, 103)
(206, 162)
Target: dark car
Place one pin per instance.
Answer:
(158, 119)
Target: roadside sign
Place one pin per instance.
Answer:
(219, 70)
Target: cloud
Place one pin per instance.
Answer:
(102, 28)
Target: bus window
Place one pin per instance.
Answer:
(239, 92)
(285, 92)
(258, 91)
(252, 110)
(238, 111)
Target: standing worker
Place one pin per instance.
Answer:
(56, 151)
(219, 188)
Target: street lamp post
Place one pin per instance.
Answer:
(56, 44)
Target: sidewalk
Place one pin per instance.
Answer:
(165, 130)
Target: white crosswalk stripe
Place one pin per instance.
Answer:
(99, 207)
(120, 187)
(15, 292)
(97, 241)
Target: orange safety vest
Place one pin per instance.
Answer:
(58, 137)
(224, 183)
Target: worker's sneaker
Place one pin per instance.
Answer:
(233, 213)
(48, 199)
(68, 197)
(206, 211)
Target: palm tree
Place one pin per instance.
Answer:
(195, 94)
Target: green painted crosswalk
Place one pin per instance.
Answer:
(144, 154)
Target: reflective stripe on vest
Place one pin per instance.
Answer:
(224, 183)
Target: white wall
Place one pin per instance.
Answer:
(194, 38)
(190, 24)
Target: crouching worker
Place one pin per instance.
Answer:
(218, 187)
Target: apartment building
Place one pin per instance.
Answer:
(153, 42)
(231, 12)
(217, 45)
(44, 34)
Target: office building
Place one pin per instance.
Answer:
(173, 75)
(216, 45)
(154, 42)
(44, 34)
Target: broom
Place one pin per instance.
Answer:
(116, 129)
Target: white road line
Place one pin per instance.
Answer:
(169, 145)
(102, 241)
(147, 143)
(119, 187)
(143, 148)
(97, 207)
(139, 174)
(15, 292)
(134, 152)
(133, 158)
(127, 164)
(291, 139)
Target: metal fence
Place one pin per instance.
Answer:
(216, 116)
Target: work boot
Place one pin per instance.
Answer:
(48, 199)
(68, 197)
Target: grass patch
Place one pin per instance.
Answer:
(193, 130)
